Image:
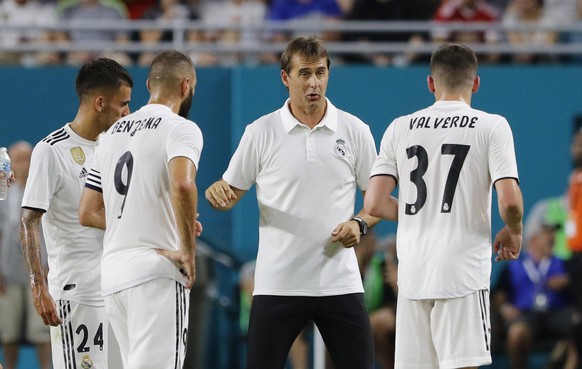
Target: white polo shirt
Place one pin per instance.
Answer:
(445, 159)
(306, 185)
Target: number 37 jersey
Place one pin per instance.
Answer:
(131, 169)
(445, 159)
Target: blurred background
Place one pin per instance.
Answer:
(530, 54)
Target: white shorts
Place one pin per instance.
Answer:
(82, 340)
(443, 333)
(150, 322)
(16, 312)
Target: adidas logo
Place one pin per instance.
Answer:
(83, 173)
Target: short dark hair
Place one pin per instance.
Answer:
(307, 46)
(454, 65)
(101, 73)
(170, 64)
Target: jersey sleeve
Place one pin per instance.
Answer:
(44, 178)
(385, 164)
(365, 160)
(185, 140)
(243, 168)
(502, 162)
(93, 180)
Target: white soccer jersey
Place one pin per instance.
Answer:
(445, 159)
(306, 183)
(58, 168)
(131, 169)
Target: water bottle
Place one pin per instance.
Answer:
(4, 172)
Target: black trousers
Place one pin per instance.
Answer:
(343, 322)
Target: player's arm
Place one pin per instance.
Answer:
(222, 196)
(30, 239)
(92, 209)
(349, 232)
(184, 197)
(379, 201)
(508, 240)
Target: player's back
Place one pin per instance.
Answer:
(447, 157)
(133, 161)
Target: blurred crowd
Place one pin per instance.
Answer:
(542, 24)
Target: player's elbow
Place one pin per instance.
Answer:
(373, 208)
(183, 187)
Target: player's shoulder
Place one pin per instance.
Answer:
(489, 118)
(56, 137)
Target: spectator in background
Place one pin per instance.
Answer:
(165, 13)
(137, 8)
(376, 10)
(553, 210)
(91, 12)
(378, 266)
(27, 13)
(527, 12)
(387, 10)
(532, 297)
(309, 12)
(244, 13)
(574, 228)
(470, 11)
(18, 317)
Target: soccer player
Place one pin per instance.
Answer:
(307, 160)
(142, 191)
(445, 160)
(71, 303)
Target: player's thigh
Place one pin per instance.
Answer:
(81, 341)
(345, 327)
(36, 331)
(157, 324)
(461, 331)
(414, 346)
(12, 307)
(275, 322)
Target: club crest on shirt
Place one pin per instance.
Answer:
(78, 155)
(86, 362)
(340, 149)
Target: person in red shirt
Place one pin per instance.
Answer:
(469, 11)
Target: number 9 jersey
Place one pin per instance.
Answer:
(445, 159)
(134, 179)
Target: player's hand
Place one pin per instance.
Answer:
(45, 306)
(11, 179)
(507, 244)
(219, 194)
(185, 261)
(347, 233)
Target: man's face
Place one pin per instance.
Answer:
(115, 106)
(307, 83)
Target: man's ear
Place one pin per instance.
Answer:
(476, 84)
(430, 84)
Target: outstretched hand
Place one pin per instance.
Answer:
(507, 244)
